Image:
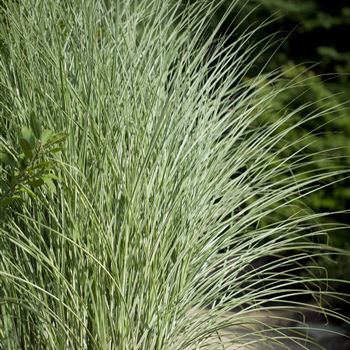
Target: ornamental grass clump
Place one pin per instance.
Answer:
(161, 186)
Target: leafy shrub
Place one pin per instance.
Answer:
(30, 167)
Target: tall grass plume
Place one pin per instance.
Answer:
(150, 236)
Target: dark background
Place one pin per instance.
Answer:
(310, 45)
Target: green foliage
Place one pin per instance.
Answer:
(317, 42)
(319, 37)
(168, 172)
(29, 165)
(314, 58)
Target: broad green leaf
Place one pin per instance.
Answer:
(56, 149)
(28, 135)
(59, 137)
(4, 202)
(26, 148)
(35, 125)
(23, 162)
(47, 164)
(50, 184)
(36, 182)
(46, 136)
(50, 176)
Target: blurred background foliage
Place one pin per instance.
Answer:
(307, 42)
(310, 47)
